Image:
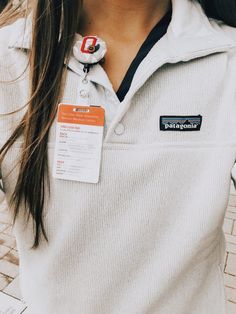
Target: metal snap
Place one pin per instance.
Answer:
(119, 130)
(85, 81)
(83, 93)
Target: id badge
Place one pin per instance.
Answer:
(79, 140)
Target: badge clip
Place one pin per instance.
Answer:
(89, 50)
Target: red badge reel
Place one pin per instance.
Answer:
(89, 50)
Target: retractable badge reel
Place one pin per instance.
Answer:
(79, 137)
(89, 50)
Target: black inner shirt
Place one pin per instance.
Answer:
(156, 34)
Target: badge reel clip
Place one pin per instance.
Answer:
(88, 50)
(79, 136)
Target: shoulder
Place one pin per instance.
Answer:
(13, 69)
(227, 30)
(12, 41)
(13, 56)
(9, 33)
(230, 33)
(5, 32)
(5, 36)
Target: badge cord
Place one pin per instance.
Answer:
(84, 92)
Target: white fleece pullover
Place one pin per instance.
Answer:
(147, 239)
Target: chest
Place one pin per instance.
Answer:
(202, 86)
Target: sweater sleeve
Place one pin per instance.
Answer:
(231, 33)
(6, 90)
(3, 40)
(14, 90)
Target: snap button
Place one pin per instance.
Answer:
(83, 93)
(85, 81)
(120, 128)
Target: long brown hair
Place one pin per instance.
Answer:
(50, 49)
(11, 10)
(54, 27)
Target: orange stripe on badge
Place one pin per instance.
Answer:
(85, 115)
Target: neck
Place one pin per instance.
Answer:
(121, 19)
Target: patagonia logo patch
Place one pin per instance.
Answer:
(180, 123)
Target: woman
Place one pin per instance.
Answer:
(122, 217)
